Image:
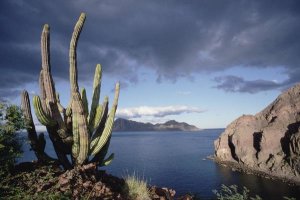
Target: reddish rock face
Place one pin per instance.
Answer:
(268, 141)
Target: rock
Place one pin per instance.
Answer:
(162, 193)
(186, 197)
(267, 142)
(87, 184)
(84, 182)
(62, 181)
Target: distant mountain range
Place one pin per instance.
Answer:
(172, 125)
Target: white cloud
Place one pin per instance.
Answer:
(152, 120)
(142, 111)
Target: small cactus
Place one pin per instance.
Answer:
(74, 130)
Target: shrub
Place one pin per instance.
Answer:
(10, 122)
(231, 193)
(136, 188)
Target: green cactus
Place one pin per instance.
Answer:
(99, 141)
(75, 131)
(40, 114)
(100, 117)
(96, 95)
(85, 102)
(37, 143)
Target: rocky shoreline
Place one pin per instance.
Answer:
(267, 142)
(248, 170)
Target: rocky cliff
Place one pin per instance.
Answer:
(267, 142)
(172, 125)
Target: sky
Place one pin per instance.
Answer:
(202, 62)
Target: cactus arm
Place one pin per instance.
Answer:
(117, 93)
(25, 106)
(99, 125)
(105, 135)
(49, 88)
(100, 118)
(47, 78)
(96, 94)
(108, 125)
(43, 92)
(85, 102)
(37, 143)
(108, 160)
(73, 55)
(40, 114)
(45, 46)
(77, 104)
(68, 117)
(100, 156)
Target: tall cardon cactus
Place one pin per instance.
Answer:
(77, 131)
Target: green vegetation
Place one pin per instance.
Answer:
(74, 130)
(231, 193)
(136, 188)
(10, 148)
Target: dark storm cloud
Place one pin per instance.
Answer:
(238, 84)
(174, 38)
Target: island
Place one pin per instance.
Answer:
(121, 124)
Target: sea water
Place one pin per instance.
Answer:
(178, 160)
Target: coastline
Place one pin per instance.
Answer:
(249, 170)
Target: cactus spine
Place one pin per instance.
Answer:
(78, 131)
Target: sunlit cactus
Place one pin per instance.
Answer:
(77, 131)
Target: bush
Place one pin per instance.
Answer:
(11, 121)
(136, 188)
(232, 193)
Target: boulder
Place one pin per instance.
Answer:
(269, 141)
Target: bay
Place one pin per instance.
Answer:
(178, 160)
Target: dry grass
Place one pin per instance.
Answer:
(136, 188)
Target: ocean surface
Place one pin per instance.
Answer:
(178, 160)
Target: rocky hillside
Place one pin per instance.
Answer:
(267, 142)
(129, 125)
(172, 125)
